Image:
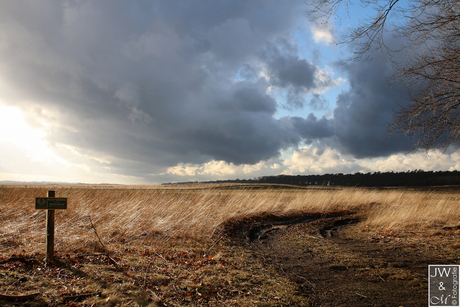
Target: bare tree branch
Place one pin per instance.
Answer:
(431, 31)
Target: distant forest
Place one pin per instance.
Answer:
(377, 179)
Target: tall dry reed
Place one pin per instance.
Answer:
(127, 213)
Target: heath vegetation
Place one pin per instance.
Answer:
(162, 246)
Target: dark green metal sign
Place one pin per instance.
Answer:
(50, 203)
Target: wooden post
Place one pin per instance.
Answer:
(50, 230)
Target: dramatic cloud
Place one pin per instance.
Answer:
(363, 113)
(359, 125)
(311, 128)
(151, 82)
(297, 76)
(161, 88)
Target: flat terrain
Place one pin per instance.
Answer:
(336, 264)
(332, 255)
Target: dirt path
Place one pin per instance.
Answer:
(335, 263)
(294, 260)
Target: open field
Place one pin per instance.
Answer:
(208, 245)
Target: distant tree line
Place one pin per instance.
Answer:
(376, 179)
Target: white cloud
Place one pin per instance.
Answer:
(325, 81)
(310, 160)
(183, 170)
(433, 160)
(223, 170)
(323, 34)
(213, 168)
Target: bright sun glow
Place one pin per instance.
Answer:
(14, 130)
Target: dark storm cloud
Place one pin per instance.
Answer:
(149, 84)
(238, 125)
(292, 73)
(144, 85)
(363, 113)
(311, 128)
(359, 122)
(289, 71)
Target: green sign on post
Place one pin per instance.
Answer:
(49, 203)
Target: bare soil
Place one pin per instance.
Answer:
(336, 263)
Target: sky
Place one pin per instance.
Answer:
(147, 92)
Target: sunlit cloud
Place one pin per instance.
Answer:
(220, 169)
(323, 34)
(21, 135)
(433, 160)
(311, 160)
(154, 91)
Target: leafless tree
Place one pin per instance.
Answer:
(430, 30)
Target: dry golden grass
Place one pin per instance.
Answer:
(166, 242)
(128, 213)
(415, 210)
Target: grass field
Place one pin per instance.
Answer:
(166, 244)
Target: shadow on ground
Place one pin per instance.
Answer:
(336, 263)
